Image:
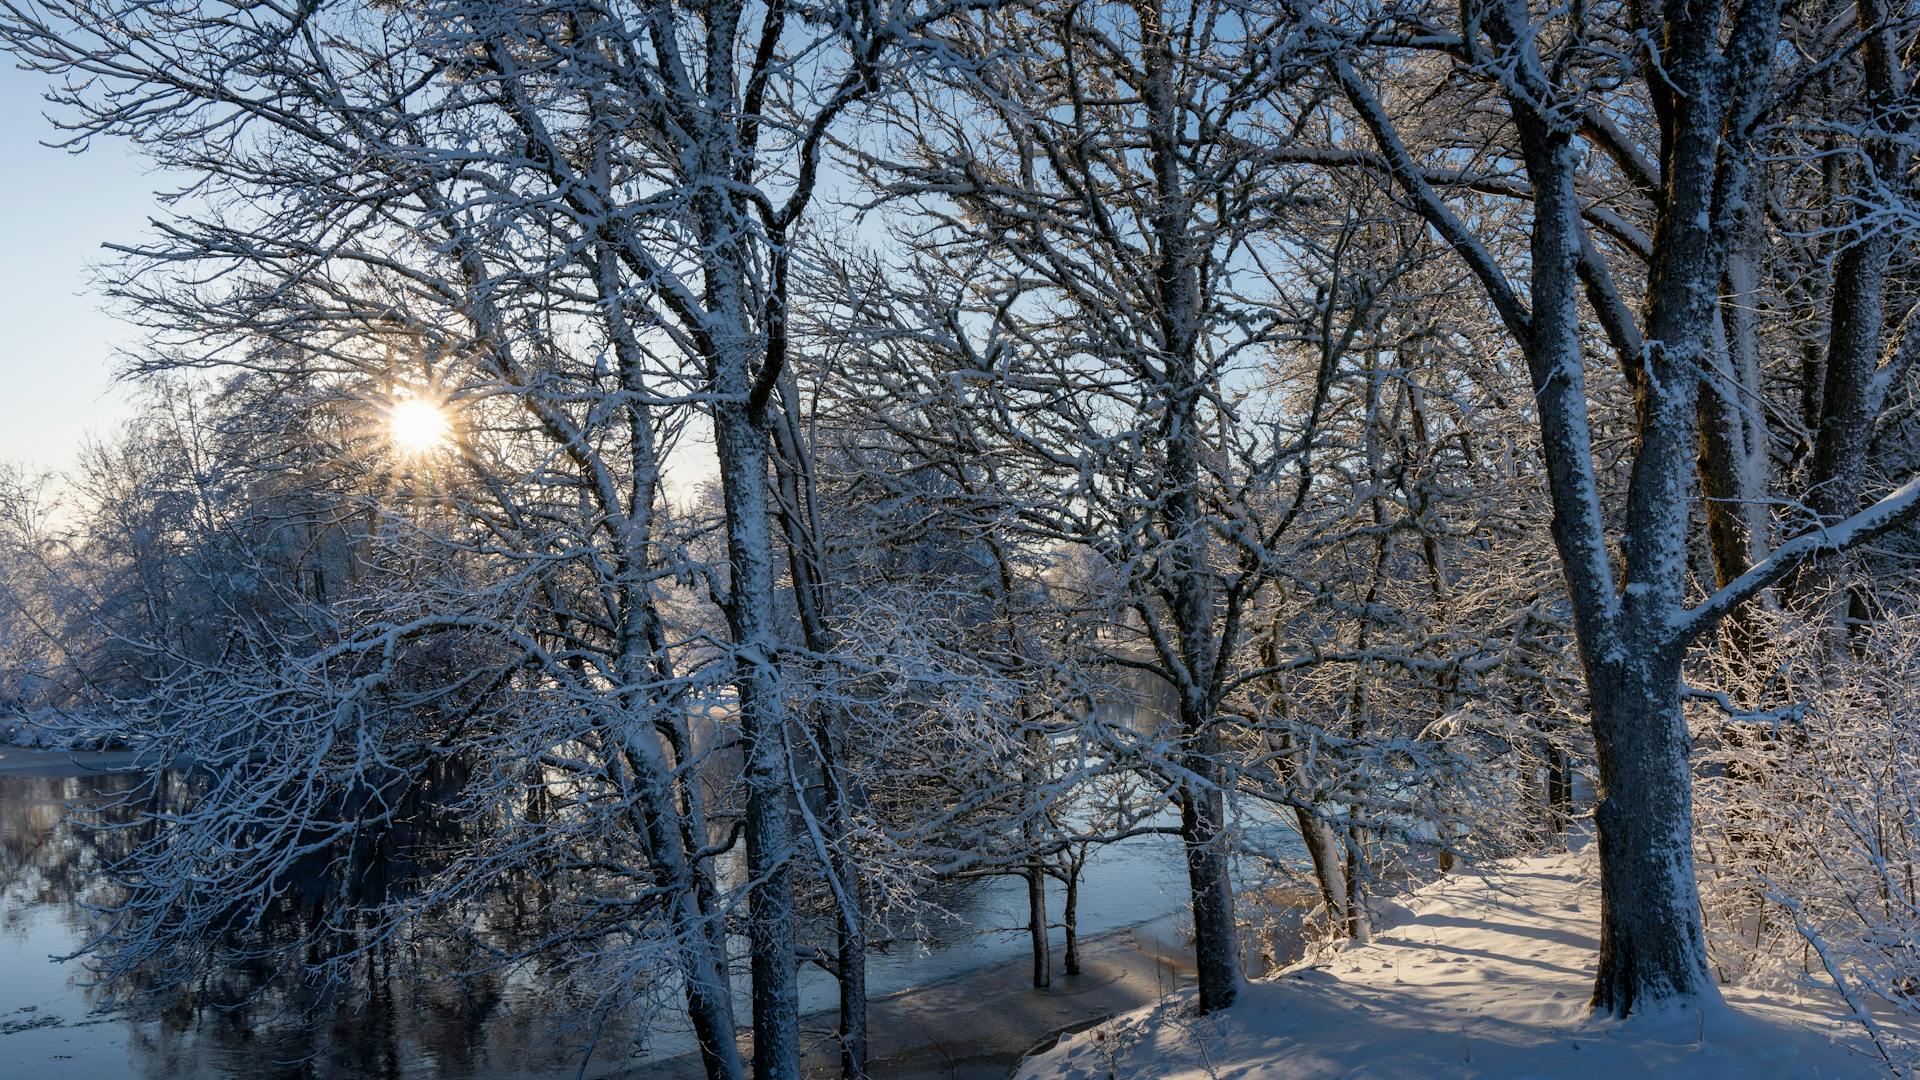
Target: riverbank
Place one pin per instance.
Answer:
(30, 761)
(978, 1025)
(958, 1005)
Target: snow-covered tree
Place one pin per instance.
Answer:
(566, 229)
(1628, 132)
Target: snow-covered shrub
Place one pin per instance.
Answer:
(1809, 824)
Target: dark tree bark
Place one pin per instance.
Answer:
(1216, 937)
(1036, 876)
(1652, 944)
(1559, 794)
(1070, 913)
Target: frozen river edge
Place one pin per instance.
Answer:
(978, 1025)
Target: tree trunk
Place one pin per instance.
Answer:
(641, 765)
(1359, 926)
(710, 1007)
(1852, 389)
(676, 833)
(1194, 594)
(741, 440)
(1323, 848)
(1733, 451)
(1036, 871)
(1725, 474)
(1851, 398)
(1216, 940)
(852, 973)
(1652, 946)
(1559, 794)
(1850, 403)
(793, 471)
(1070, 918)
(1204, 840)
(1036, 877)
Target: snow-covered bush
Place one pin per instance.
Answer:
(1809, 824)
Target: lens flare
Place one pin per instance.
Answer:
(417, 425)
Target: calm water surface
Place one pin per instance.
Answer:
(494, 1026)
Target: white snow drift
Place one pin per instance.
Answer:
(1489, 978)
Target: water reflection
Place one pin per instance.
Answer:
(397, 1009)
(394, 1011)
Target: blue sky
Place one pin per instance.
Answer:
(56, 356)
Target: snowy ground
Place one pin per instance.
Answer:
(1489, 978)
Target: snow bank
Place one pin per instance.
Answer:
(51, 729)
(1489, 977)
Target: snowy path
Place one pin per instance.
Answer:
(1489, 979)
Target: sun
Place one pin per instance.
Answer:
(418, 425)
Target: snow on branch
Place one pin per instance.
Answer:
(1890, 512)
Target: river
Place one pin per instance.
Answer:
(237, 1022)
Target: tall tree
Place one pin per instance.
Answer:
(1102, 174)
(1702, 76)
(583, 211)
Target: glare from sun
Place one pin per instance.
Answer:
(418, 425)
